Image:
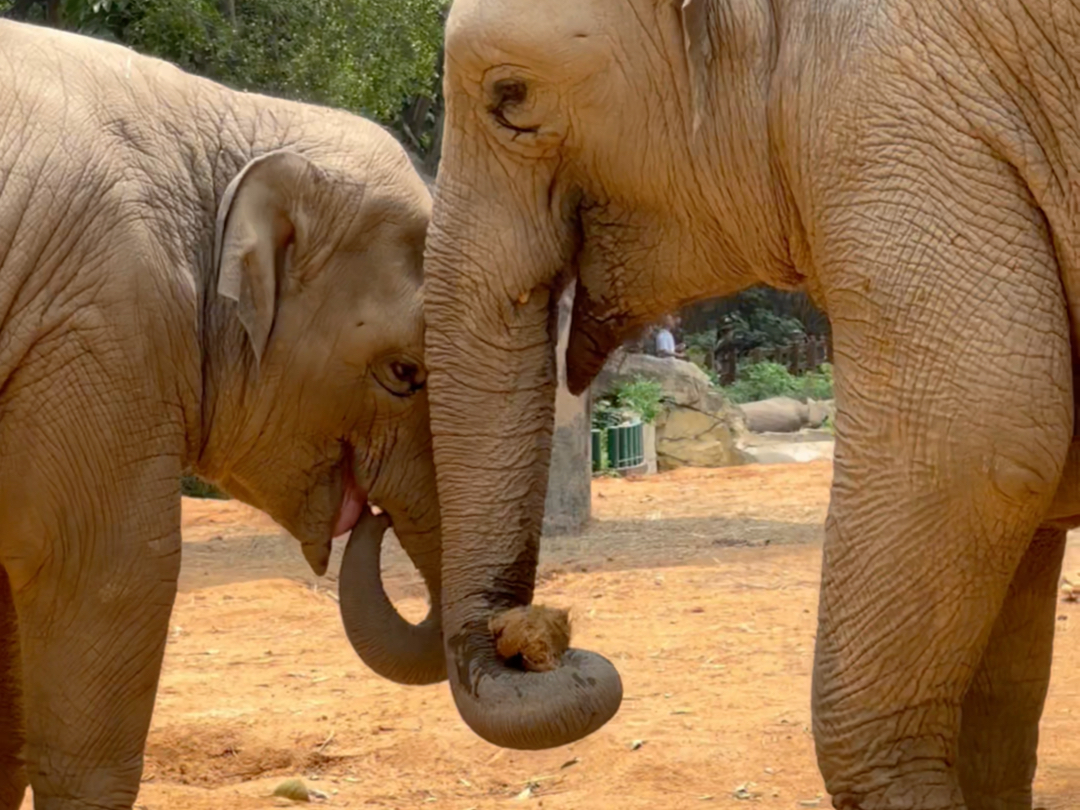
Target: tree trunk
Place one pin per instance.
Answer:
(568, 505)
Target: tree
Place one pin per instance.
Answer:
(421, 122)
(758, 317)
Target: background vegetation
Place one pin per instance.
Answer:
(764, 380)
(637, 399)
(194, 487)
(758, 318)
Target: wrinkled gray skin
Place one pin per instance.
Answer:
(914, 164)
(783, 414)
(189, 278)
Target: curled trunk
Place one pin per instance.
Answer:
(391, 646)
(491, 363)
(513, 708)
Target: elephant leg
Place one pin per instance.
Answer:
(954, 418)
(94, 620)
(999, 729)
(12, 728)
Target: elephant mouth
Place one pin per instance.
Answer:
(353, 498)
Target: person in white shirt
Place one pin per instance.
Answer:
(665, 342)
(665, 338)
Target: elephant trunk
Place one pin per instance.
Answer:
(491, 364)
(391, 646)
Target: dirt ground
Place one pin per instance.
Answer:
(701, 586)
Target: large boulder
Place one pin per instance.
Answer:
(705, 436)
(697, 427)
(785, 415)
(683, 382)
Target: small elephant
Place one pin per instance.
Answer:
(190, 278)
(914, 165)
(784, 414)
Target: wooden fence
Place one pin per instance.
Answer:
(799, 358)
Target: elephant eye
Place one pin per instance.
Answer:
(405, 372)
(402, 378)
(509, 96)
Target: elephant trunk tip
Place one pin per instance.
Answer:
(518, 684)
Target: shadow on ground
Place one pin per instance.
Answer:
(608, 545)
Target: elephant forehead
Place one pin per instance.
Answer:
(479, 33)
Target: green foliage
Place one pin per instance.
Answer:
(819, 384)
(639, 398)
(606, 414)
(760, 381)
(750, 320)
(699, 345)
(367, 56)
(764, 380)
(702, 341)
(751, 327)
(759, 328)
(194, 487)
(755, 318)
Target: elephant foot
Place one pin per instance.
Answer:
(67, 803)
(1021, 800)
(96, 789)
(934, 791)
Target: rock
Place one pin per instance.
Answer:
(784, 414)
(791, 452)
(683, 382)
(697, 427)
(818, 411)
(686, 437)
(294, 790)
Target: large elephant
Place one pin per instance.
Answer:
(190, 278)
(913, 164)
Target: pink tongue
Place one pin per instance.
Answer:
(351, 507)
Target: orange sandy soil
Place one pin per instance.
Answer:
(701, 586)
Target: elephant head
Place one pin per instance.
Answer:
(574, 149)
(315, 405)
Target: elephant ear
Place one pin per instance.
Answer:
(696, 18)
(259, 221)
